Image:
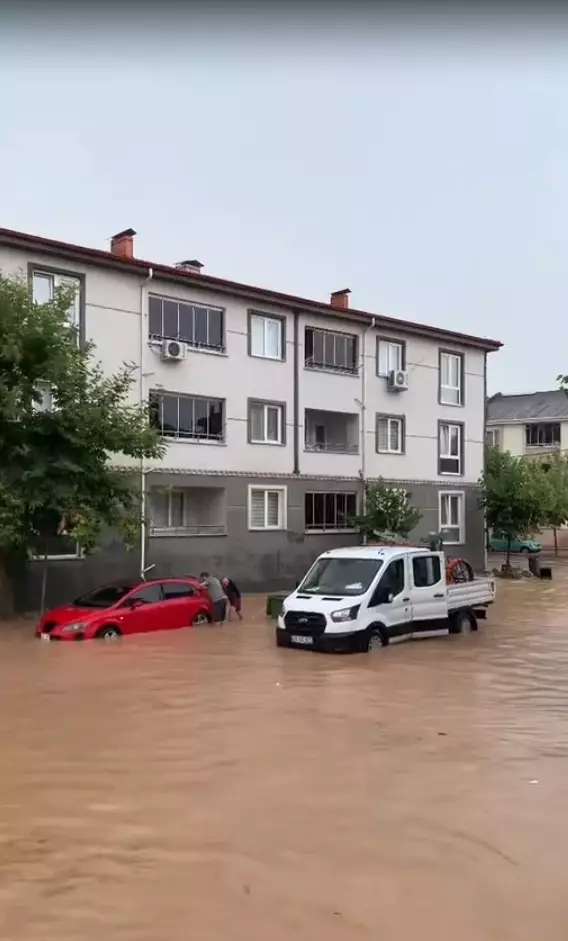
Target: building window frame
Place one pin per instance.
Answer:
(254, 316)
(59, 277)
(185, 528)
(445, 500)
(156, 399)
(539, 429)
(186, 318)
(384, 358)
(331, 340)
(267, 490)
(325, 526)
(400, 421)
(493, 437)
(451, 453)
(266, 405)
(447, 389)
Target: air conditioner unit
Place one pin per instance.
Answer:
(397, 380)
(173, 350)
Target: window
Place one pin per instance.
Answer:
(172, 591)
(543, 435)
(452, 517)
(187, 416)
(426, 571)
(390, 434)
(188, 511)
(329, 511)
(45, 404)
(451, 378)
(267, 508)
(149, 594)
(57, 547)
(266, 336)
(267, 423)
(103, 597)
(391, 355)
(44, 285)
(493, 437)
(348, 576)
(451, 448)
(393, 579)
(326, 350)
(198, 326)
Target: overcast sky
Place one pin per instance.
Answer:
(424, 168)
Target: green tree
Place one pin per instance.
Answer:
(515, 494)
(58, 464)
(388, 512)
(556, 469)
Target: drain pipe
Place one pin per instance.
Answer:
(364, 424)
(143, 348)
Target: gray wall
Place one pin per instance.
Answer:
(258, 561)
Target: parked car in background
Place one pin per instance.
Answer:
(498, 543)
(129, 608)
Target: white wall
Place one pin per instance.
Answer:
(113, 322)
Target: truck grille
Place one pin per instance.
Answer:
(308, 623)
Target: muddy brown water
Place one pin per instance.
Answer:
(205, 785)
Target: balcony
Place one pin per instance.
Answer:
(187, 511)
(331, 432)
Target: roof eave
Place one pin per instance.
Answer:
(135, 266)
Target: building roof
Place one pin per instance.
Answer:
(534, 406)
(138, 266)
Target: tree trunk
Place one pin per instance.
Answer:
(555, 532)
(44, 583)
(7, 597)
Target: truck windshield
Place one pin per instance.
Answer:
(341, 576)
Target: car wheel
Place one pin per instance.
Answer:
(108, 633)
(373, 641)
(463, 623)
(525, 549)
(201, 618)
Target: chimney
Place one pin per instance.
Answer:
(340, 299)
(122, 244)
(192, 266)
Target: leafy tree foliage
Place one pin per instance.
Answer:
(58, 470)
(389, 512)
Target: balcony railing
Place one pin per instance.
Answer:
(332, 447)
(201, 529)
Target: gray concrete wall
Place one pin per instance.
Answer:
(258, 561)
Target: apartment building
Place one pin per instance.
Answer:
(534, 424)
(275, 409)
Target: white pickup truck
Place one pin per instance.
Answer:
(365, 597)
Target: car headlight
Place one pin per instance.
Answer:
(345, 614)
(72, 628)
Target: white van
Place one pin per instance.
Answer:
(365, 597)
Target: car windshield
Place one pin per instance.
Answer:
(341, 576)
(103, 597)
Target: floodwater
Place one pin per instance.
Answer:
(205, 785)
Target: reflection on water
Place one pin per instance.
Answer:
(206, 785)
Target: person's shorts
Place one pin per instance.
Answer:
(220, 610)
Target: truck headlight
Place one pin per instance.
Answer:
(345, 614)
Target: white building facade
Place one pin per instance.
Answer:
(275, 410)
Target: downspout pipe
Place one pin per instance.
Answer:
(364, 422)
(142, 397)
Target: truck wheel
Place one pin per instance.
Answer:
(463, 623)
(373, 641)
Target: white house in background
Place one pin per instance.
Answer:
(535, 423)
(275, 408)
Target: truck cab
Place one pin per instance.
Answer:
(363, 598)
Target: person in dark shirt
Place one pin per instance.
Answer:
(234, 596)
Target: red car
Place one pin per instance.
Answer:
(108, 612)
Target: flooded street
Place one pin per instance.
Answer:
(206, 785)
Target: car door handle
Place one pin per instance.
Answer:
(439, 595)
(406, 599)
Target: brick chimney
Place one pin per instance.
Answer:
(192, 265)
(122, 244)
(340, 299)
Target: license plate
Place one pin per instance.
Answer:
(44, 636)
(300, 639)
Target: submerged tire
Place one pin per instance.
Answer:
(373, 641)
(108, 633)
(463, 622)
